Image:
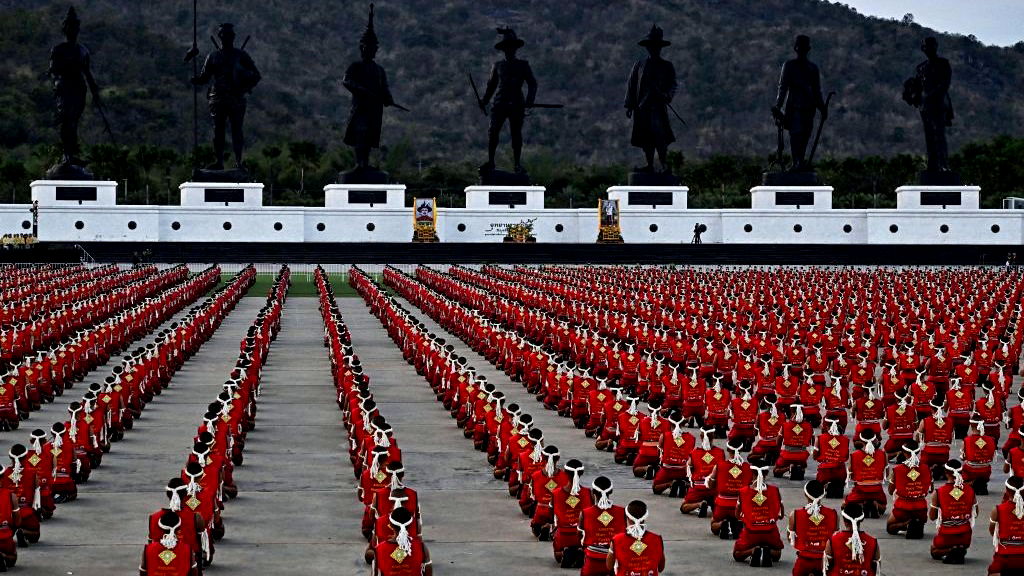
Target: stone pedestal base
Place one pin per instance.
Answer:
(633, 198)
(229, 176)
(248, 194)
(791, 198)
(505, 197)
(938, 197)
(643, 179)
(790, 179)
(74, 192)
(369, 175)
(364, 196)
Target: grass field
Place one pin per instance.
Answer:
(302, 285)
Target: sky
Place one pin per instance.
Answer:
(995, 22)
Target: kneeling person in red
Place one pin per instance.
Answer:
(598, 525)
(169, 556)
(636, 552)
(953, 508)
(851, 552)
(568, 503)
(810, 528)
(1006, 524)
(403, 555)
(759, 509)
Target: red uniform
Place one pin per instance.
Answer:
(912, 486)
(1009, 552)
(809, 537)
(759, 512)
(956, 512)
(843, 561)
(599, 527)
(638, 557)
(390, 560)
(158, 560)
(868, 471)
(568, 509)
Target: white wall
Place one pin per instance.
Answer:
(298, 224)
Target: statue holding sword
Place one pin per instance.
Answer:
(505, 87)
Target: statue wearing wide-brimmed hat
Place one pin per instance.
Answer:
(368, 83)
(505, 86)
(652, 86)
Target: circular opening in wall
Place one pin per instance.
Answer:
(132, 225)
(559, 228)
(79, 224)
(25, 224)
(995, 228)
(371, 226)
(320, 227)
(748, 228)
(278, 226)
(227, 225)
(944, 228)
(653, 227)
(798, 228)
(175, 225)
(461, 227)
(847, 228)
(894, 228)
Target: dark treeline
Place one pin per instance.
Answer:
(294, 174)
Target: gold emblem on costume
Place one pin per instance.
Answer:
(34, 460)
(193, 503)
(617, 406)
(812, 390)
(759, 498)
(967, 371)
(600, 397)
(572, 501)
(735, 472)
(167, 556)
(523, 442)
(679, 441)
(869, 404)
(980, 443)
(238, 396)
(798, 429)
(107, 399)
(638, 547)
(900, 410)
(488, 408)
(634, 420)
(380, 476)
(833, 443)
(861, 372)
(956, 493)
(398, 555)
(745, 405)
(605, 518)
(816, 519)
(551, 485)
(773, 420)
(128, 378)
(88, 419)
(718, 395)
(869, 460)
(707, 458)
(56, 452)
(913, 474)
(940, 423)
(118, 388)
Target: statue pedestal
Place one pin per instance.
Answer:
(791, 197)
(505, 197)
(633, 198)
(74, 192)
(248, 194)
(938, 197)
(364, 196)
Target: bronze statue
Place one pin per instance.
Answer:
(71, 71)
(649, 92)
(800, 94)
(234, 75)
(505, 85)
(368, 83)
(928, 91)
